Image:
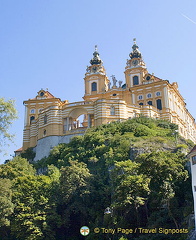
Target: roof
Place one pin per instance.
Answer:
(156, 79)
(47, 95)
(18, 150)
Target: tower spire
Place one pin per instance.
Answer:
(96, 59)
(96, 80)
(135, 53)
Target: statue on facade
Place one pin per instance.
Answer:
(120, 83)
(114, 80)
(87, 69)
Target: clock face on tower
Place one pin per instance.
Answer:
(135, 62)
(94, 69)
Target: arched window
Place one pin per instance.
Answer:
(94, 86)
(32, 118)
(141, 104)
(149, 103)
(135, 80)
(159, 104)
(45, 119)
(112, 110)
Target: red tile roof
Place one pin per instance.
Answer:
(18, 150)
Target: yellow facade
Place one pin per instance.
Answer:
(105, 101)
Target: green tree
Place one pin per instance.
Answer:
(28, 202)
(74, 178)
(29, 154)
(6, 207)
(16, 168)
(31, 197)
(130, 189)
(8, 114)
(96, 172)
(74, 191)
(163, 166)
(166, 171)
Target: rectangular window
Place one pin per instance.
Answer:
(135, 80)
(45, 119)
(194, 188)
(159, 104)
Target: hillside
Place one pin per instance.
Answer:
(137, 169)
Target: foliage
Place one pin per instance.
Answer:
(16, 168)
(29, 154)
(166, 124)
(190, 143)
(8, 114)
(142, 130)
(182, 146)
(31, 199)
(162, 166)
(130, 187)
(74, 180)
(54, 173)
(150, 188)
(6, 205)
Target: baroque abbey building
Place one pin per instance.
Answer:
(50, 121)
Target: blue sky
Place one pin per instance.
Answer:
(49, 43)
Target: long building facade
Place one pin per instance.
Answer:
(50, 121)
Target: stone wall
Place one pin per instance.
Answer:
(45, 145)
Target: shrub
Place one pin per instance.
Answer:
(143, 130)
(182, 146)
(149, 122)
